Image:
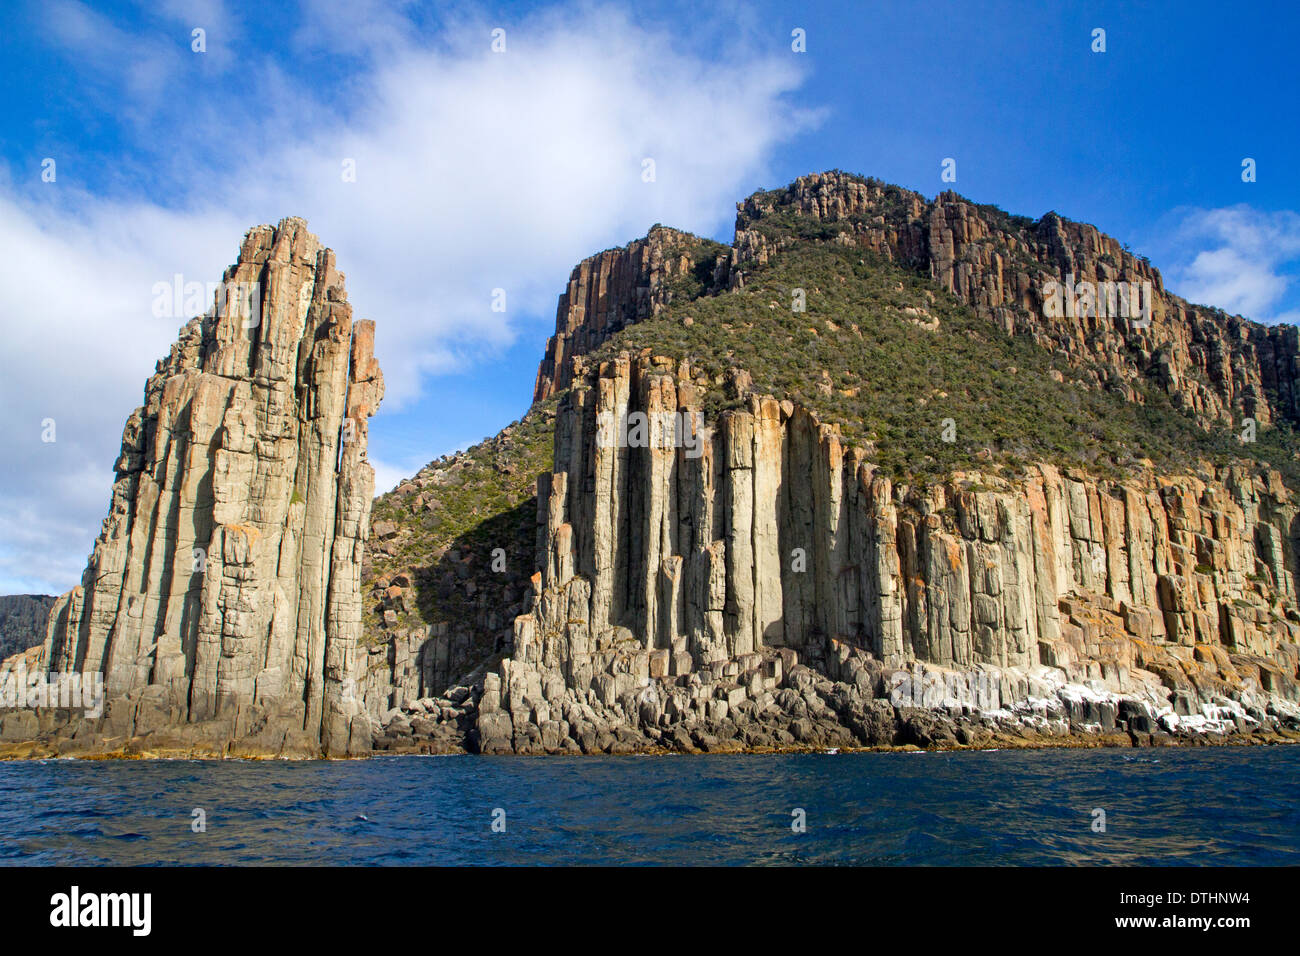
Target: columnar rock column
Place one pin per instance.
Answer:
(224, 585)
(767, 532)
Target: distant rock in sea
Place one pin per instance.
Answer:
(22, 621)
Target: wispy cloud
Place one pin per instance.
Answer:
(368, 29)
(474, 171)
(1238, 258)
(142, 65)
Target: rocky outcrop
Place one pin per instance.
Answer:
(22, 621)
(222, 600)
(702, 565)
(1220, 367)
(608, 291)
(751, 581)
(683, 580)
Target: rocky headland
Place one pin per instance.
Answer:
(854, 481)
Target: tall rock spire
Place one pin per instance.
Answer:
(223, 591)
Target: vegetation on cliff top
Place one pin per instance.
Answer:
(901, 365)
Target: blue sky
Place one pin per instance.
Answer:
(479, 170)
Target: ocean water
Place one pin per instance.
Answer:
(1168, 806)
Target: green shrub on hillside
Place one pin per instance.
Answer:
(866, 354)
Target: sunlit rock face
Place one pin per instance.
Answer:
(221, 602)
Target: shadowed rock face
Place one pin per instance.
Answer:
(22, 621)
(222, 599)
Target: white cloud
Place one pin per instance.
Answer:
(475, 171)
(1237, 258)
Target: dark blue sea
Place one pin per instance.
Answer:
(1176, 806)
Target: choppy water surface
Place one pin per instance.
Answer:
(1204, 806)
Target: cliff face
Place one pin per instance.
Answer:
(776, 534)
(742, 576)
(610, 290)
(1219, 367)
(672, 582)
(222, 599)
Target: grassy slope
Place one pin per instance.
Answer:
(484, 498)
